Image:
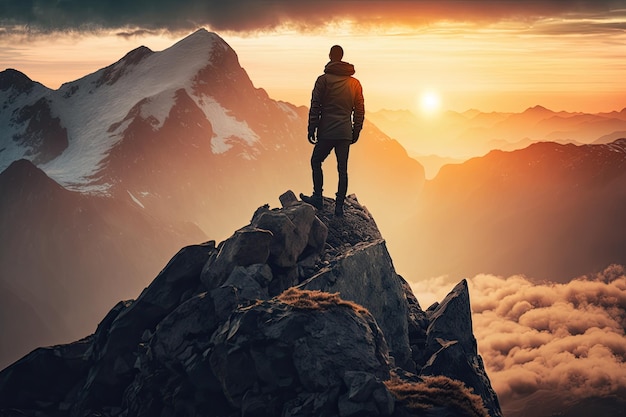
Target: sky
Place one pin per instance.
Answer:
(419, 55)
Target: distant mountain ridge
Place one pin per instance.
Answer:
(474, 133)
(550, 211)
(59, 246)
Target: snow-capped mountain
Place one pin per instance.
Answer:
(95, 112)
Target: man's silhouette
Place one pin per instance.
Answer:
(335, 122)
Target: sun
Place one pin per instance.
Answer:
(429, 102)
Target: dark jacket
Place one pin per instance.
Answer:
(337, 105)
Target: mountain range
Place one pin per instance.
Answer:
(454, 137)
(550, 211)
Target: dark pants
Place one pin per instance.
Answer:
(320, 152)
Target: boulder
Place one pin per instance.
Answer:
(247, 246)
(374, 285)
(301, 342)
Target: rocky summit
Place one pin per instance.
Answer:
(299, 313)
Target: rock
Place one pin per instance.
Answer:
(366, 396)
(451, 347)
(288, 198)
(290, 229)
(114, 359)
(452, 320)
(304, 339)
(243, 286)
(374, 285)
(247, 246)
(300, 314)
(45, 377)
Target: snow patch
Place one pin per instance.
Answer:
(285, 107)
(158, 107)
(135, 199)
(10, 150)
(225, 126)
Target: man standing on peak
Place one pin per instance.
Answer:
(335, 122)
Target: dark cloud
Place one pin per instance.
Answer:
(252, 15)
(564, 339)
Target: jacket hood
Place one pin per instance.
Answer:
(339, 68)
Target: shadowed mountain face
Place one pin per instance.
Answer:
(65, 257)
(549, 211)
(297, 313)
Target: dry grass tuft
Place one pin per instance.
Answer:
(317, 300)
(437, 391)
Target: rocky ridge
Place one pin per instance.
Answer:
(299, 313)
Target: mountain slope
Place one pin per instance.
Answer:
(59, 248)
(549, 211)
(473, 133)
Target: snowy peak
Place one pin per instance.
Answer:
(112, 73)
(99, 109)
(200, 40)
(16, 80)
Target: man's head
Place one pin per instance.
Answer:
(336, 53)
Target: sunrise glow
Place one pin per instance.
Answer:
(496, 68)
(429, 102)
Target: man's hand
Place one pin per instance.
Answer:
(312, 136)
(355, 135)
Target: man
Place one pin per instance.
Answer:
(335, 122)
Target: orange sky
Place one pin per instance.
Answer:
(573, 63)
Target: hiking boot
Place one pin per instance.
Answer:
(339, 207)
(315, 200)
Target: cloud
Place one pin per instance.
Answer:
(253, 15)
(565, 339)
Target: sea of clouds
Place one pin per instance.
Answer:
(567, 340)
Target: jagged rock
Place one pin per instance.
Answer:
(215, 334)
(366, 396)
(451, 347)
(290, 228)
(375, 286)
(44, 378)
(247, 246)
(244, 285)
(300, 341)
(114, 359)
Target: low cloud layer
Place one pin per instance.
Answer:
(251, 15)
(564, 339)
